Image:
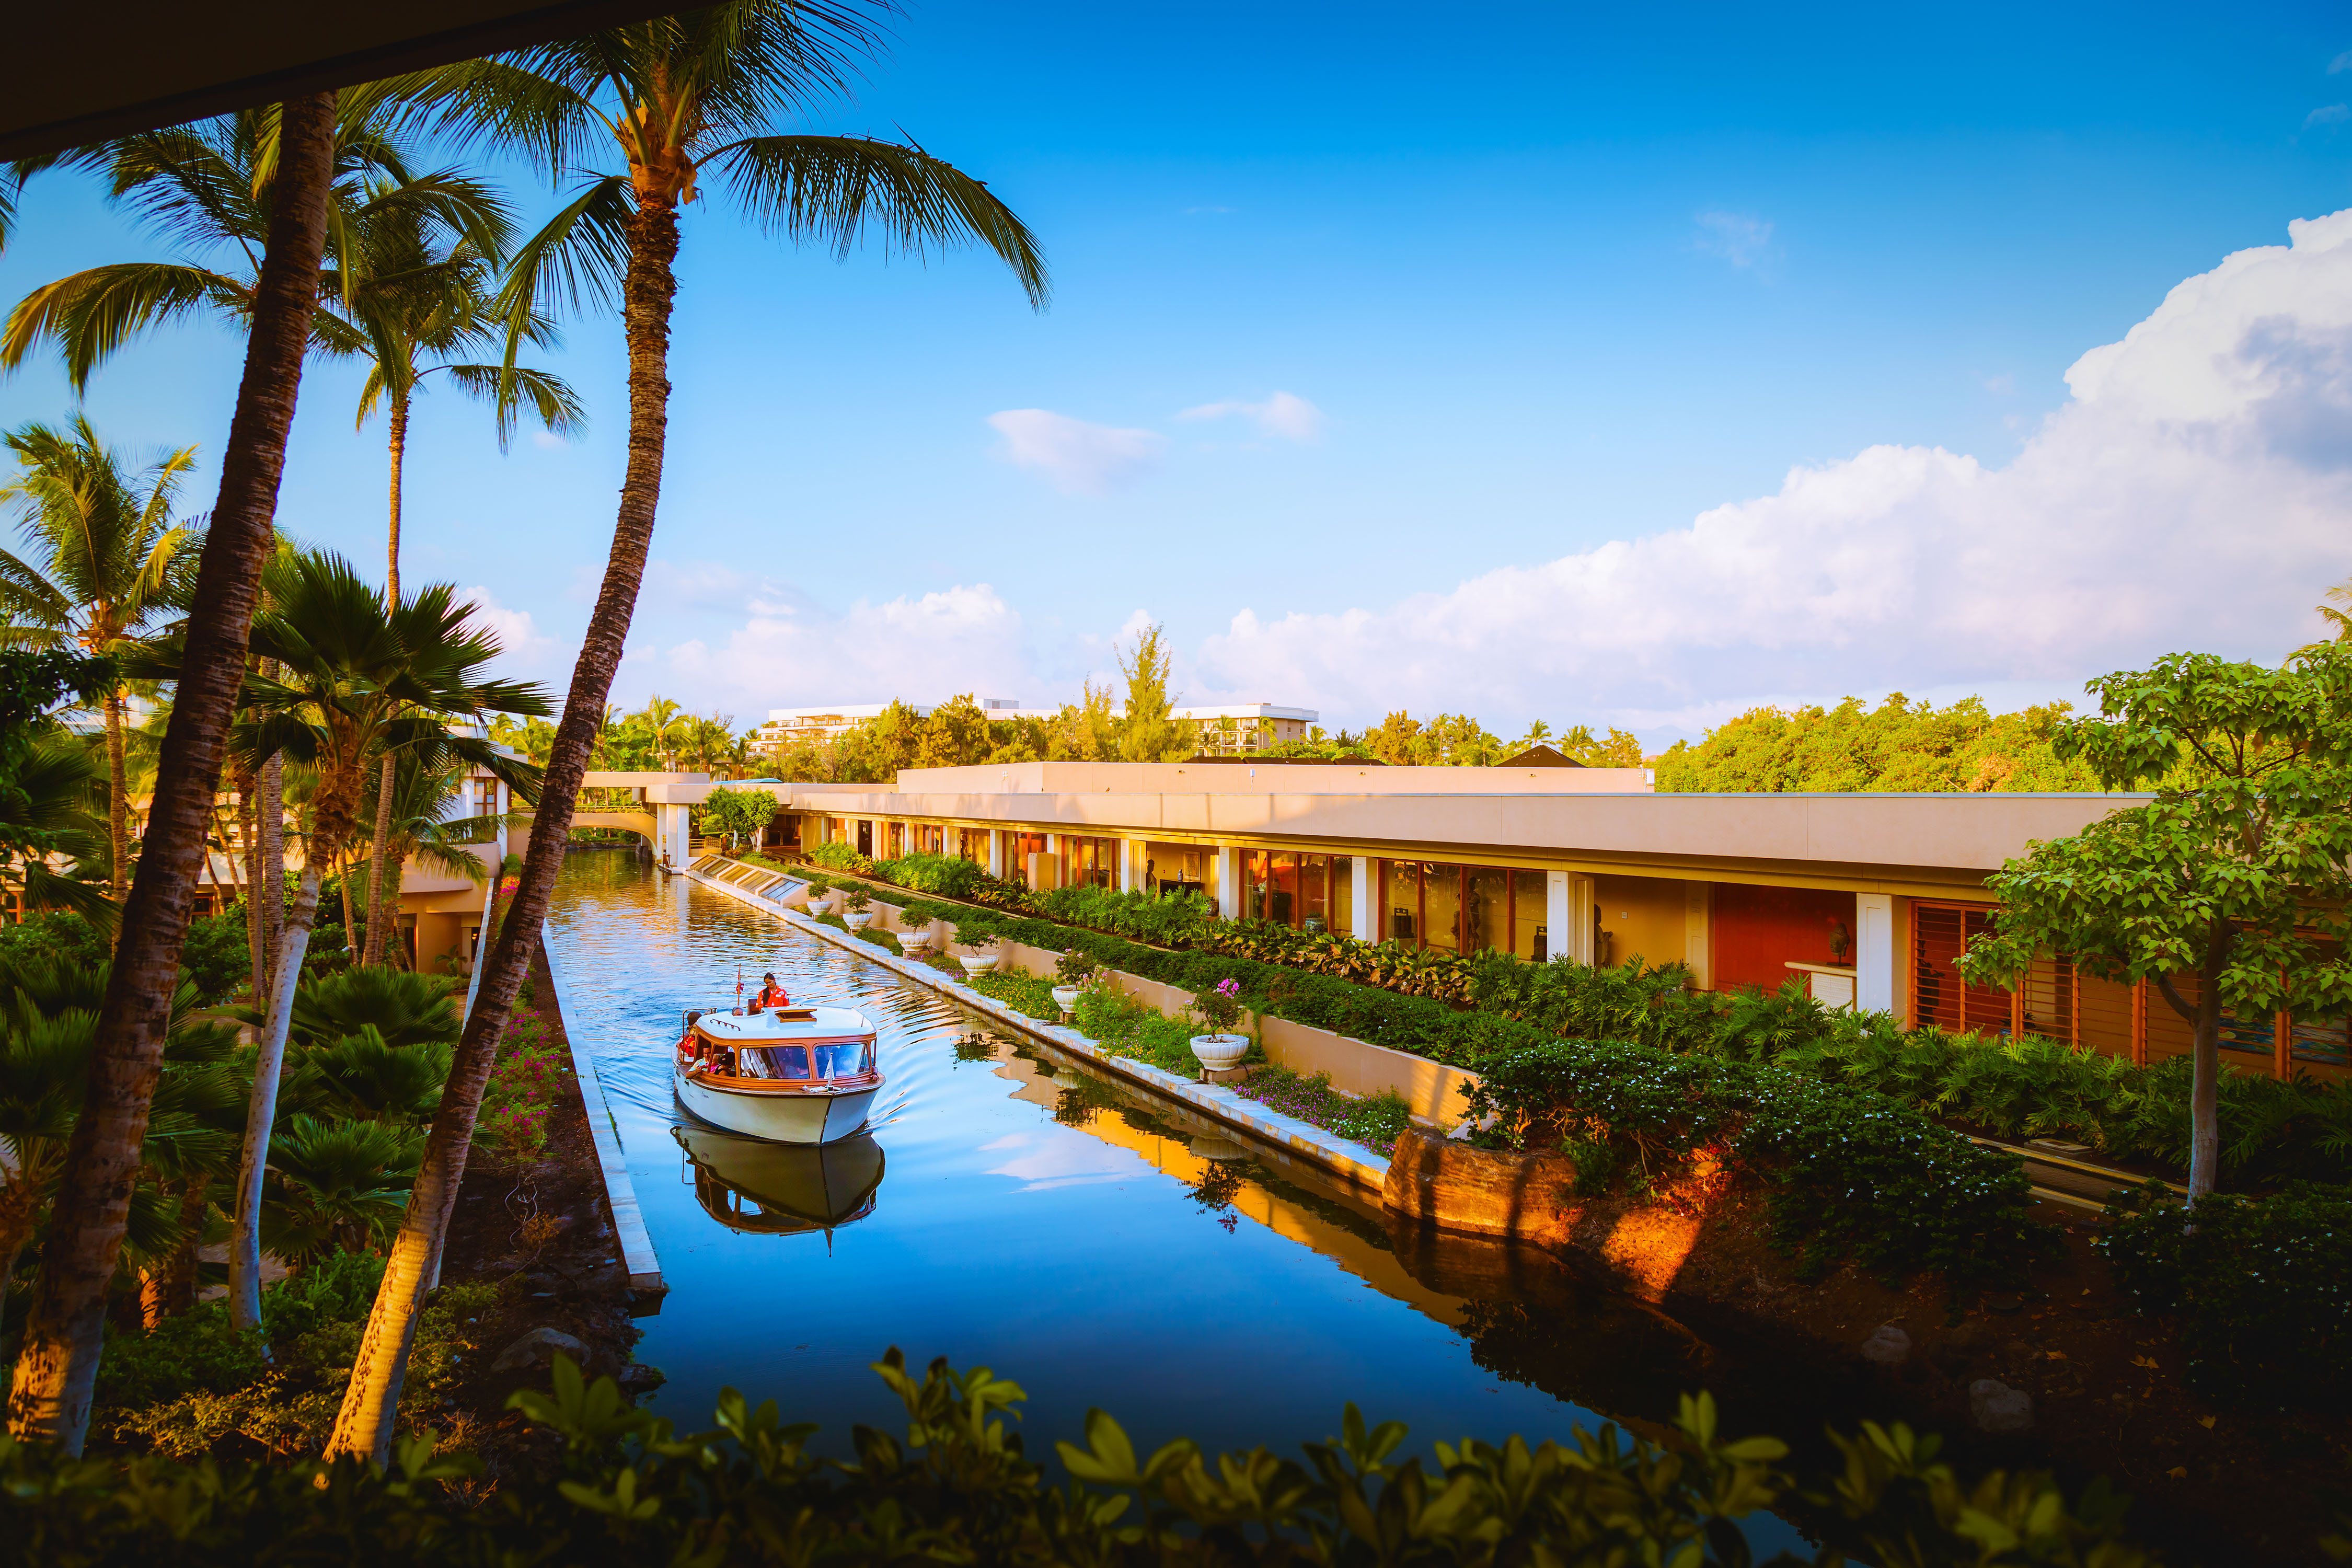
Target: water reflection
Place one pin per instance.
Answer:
(782, 1189)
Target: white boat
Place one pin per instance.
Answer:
(791, 1075)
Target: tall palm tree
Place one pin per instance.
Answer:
(111, 564)
(672, 101)
(660, 715)
(356, 677)
(57, 1362)
(422, 299)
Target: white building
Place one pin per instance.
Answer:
(1232, 728)
(1229, 728)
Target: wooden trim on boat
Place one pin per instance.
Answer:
(781, 1086)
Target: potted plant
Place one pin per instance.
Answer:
(859, 906)
(1220, 1007)
(913, 935)
(979, 959)
(1075, 970)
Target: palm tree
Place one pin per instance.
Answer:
(660, 715)
(414, 828)
(2339, 622)
(115, 564)
(676, 101)
(57, 1362)
(422, 299)
(356, 677)
(56, 781)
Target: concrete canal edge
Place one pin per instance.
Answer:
(620, 1193)
(1351, 1164)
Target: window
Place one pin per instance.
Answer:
(846, 1059)
(774, 1061)
(1441, 908)
(1461, 909)
(1530, 912)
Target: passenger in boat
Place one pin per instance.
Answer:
(771, 996)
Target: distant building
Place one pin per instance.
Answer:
(1230, 728)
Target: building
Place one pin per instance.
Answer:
(1232, 729)
(1867, 900)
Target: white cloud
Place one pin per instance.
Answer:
(549, 440)
(2333, 114)
(1286, 414)
(1079, 458)
(787, 650)
(519, 642)
(1738, 238)
(2341, 62)
(2196, 491)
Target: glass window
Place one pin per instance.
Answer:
(1487, 919)
(1282, 904)
(846, 1060)
(1401, 887)
(1314, 892)
(1343, 894)
(1257, 882)
(775, 1061)
(1441, 908)
(1530, 909)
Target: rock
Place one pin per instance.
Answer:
(1968, 1334)
(638, 1378)
(1888, 1346)
(1999, 1408)
(538, 1347)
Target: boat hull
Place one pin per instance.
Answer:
(807, 1117)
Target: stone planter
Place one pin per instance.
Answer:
(914, 941)
(1065, 997)
(976, 965)
(1219, 1052)
(859, 919)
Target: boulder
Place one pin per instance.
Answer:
(538, 1347)
(1887, 1346)
(638, 1378)
(1999, 1408)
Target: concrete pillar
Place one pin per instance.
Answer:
(1699, 916)
(1130, 871)
(996, 853)
(1364, 888)
(1873, 952)
(1568, 915)
(1229, 882)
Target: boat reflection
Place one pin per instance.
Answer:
(749, 1185)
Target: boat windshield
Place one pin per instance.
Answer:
(775, 1061)
(844, 1061)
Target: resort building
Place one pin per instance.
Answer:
(1235, 728)
(1866, 898)
(1232, 728)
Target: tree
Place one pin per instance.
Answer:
(47, 776)
(2338, 620)
(681, 100)
(2234, 875)
(425, 781)
(418, 291)
(1898, 745)
(1619, 749)
(738, 813)
(1146, 732)
(57, 1365)
(954, 736)
(1397, 741)
(111, 564)
(357, 677)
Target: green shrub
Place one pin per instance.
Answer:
(1848, 1173)
(2258, 1287)
(884, 940)
(960, 1488)
(1022, 994)
(1124, 1027)
(945, 875)
(840, 855)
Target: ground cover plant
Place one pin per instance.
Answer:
(1375, 1120)
(960, 1486)
(531, 1077)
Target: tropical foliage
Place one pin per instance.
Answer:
(1898, 745)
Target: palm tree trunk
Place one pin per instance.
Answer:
(343, 882)
(377, 921)
(256, 940)
(50, 1398)
(270, 895)
(117, 790)
(372, 1403)
(261, 1109)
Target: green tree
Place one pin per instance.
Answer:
(2339, 620)
(113, 565)
(1617, 749)
(679, 102)
(2235, 875)
(1397, 741)
(955, 736)
(1148, 733)
(738, 813)
(56, 1361)
(1898, 745)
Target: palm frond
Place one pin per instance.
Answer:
(837, 188)
(549, 395)
(93, 313)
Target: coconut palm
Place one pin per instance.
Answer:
(109, 566)
(675, 104)
(56, 1361)
(422, 300)
(355, 676)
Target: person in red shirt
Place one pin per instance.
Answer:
(771, 996)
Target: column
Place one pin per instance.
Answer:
(1363, 889)
(1129, 874)
(996, 853)
(1568, 915)
(1049, 866)
(1229, 882)
(1699, 913)
(1873, 952)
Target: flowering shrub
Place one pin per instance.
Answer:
(1220, 1005)
(1075, 968)
(1374, 1120)
(532, 1074)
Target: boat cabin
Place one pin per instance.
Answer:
(778, 1050)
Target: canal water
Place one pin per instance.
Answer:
(1015, 1211)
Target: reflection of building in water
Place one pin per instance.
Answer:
(1190, 1157)
(782, 1189)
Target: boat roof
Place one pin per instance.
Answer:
(822, 1022)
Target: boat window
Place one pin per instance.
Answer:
(775, 1061)
(846, 1060)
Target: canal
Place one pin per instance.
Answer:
(1015, 1212)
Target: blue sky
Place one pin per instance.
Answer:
(1564, 278)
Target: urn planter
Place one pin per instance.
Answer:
(857, 919)
(1065, 997)
(1219, 1052)
(976, 965)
